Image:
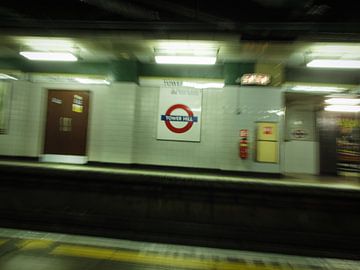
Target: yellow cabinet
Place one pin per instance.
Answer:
(267, 151)
(267, 145)
(267, 131)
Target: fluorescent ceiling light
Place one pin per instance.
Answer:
(309, 88)
(343, 101)
(185, 45)
(183, 60)
(91, 81)
(342, 108)
(4, 76)
(323, 63)
(50, 56)
(186, 48)
(277, 112)
(203, 85)
(44, 44)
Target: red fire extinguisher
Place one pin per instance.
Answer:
(244, 148)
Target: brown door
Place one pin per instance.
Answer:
(66, 122)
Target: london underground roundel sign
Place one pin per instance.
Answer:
(169, 118)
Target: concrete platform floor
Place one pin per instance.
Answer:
(30, 250)
(298, 180)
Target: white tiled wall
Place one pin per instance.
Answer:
(242, 107)
(112, 123)
(22, 138)
(111, 117)
(302, 157)
(300, 119)
(301, 154)
(149, 150)
(123, 121)
(224, 113)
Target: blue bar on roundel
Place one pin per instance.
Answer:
(179, 118)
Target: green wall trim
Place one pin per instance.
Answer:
(124, 71)
(76, 68)
(234, 70)
(311, 75)
(55, 67)
(185, 71)
(129, 70)
(118, 70)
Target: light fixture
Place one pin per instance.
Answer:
(277, 112)
(343, 101)
(186, 52)
(49, 56)
(91, 81)
(338, 63)
(4, 76)
(342, 108)
(185, 60)
(204, 85)
(254, 79)
(311, 88)
(67, 78)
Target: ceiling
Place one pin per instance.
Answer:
(141, 46)
(211, 12)
(288, 32)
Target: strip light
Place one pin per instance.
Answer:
(4, 76)
(323, 63)
(342, 108)
(203, 85)
(343, 101)
(50, 56)
(91, 81)
(185, 60)
(308, 88)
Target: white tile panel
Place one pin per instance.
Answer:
(122, 125)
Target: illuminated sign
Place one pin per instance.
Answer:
(254, 79)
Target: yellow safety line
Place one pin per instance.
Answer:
(3, 241)
(30, 244)
(154, 258)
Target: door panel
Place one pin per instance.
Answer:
(327, 126)
(66, 122)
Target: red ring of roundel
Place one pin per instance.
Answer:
(175, 129)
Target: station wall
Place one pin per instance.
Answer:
(22, 137)
(301, 142)
(123, 121)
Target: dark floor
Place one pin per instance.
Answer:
(294, 214)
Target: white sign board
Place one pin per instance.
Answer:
(179, 116)
(4, 107)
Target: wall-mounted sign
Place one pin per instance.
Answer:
(189, 82)
(179, 117)
(244, 133)
(299, 133)
(77, 105)
(348, 145)
(254, 79)
(268, 130)
(56, 100)
(4, 106)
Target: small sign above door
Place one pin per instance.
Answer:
(56, 100)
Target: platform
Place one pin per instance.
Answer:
(292, 214)
(192, 174)
(29, 250)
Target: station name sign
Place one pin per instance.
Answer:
(254, 79)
